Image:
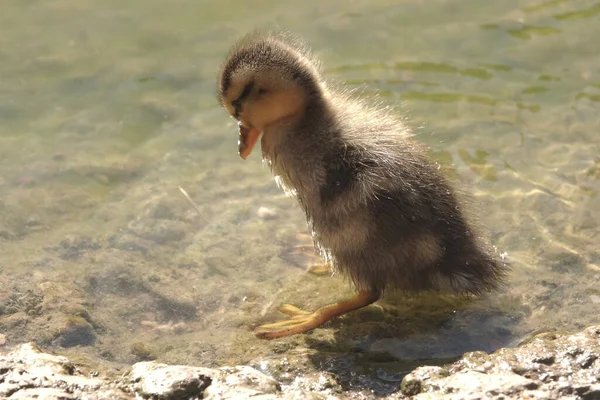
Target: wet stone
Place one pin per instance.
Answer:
(549, 366)
(28, 302)
(141, 351)
(266, 213)
(162, 211)
(72, 249)
(43, 393)
(127, 243)
(28, 373)
(159, 231)
(14, 321)
(164, 235)
(154, 380)
(62, 297)
(75, 331)
(568, 263)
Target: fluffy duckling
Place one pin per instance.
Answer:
(378, 209)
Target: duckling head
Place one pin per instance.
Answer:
(266, 83)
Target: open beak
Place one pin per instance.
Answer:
(247, 140)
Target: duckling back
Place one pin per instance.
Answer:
(389, 218)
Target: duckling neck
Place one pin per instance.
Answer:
(295, 149)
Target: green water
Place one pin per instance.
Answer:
(107, 107)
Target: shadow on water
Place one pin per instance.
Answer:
(373, 348)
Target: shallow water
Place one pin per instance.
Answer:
(106, 108)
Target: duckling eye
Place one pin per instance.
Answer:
(262, 91)
(237, 103)
(237, 106)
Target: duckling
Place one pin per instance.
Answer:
(379, 211)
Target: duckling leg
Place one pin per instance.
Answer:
(316, 268)
(306, 248)
(302, 321)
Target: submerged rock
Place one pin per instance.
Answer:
(142, 351)
(75, 331)
(549, 366)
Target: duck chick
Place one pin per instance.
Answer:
(378, 209)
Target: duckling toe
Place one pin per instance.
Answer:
(302, 321)
(292, 310)
(294, 325)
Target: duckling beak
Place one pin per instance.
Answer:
(247, 140)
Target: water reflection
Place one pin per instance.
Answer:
(418, 66)
(544, 5)
(528, 32)
(449, 97)
(579, 14)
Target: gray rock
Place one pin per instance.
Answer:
(152, 379)
(166, 382)
(43, 394)
(550, 366)
(243, 381)
(469, 383)
(28, 373)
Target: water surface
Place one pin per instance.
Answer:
(106, 108)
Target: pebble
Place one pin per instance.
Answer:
(266, 213)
